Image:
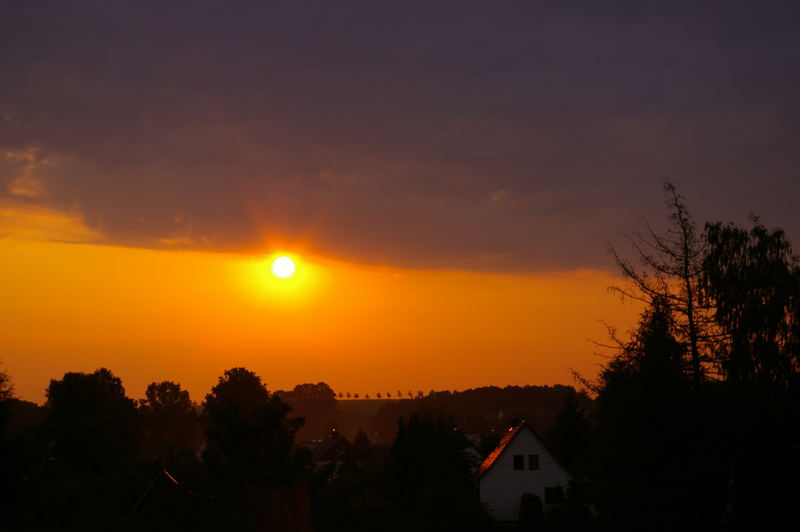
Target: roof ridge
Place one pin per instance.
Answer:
(501, 446)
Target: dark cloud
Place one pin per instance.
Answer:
(503, 135)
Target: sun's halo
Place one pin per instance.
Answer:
(283, 267)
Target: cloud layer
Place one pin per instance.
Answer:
(503, 135)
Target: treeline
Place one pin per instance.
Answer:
(485, 410)
(92, 458)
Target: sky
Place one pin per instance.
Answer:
(448, 176)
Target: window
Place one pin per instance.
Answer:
(554, 495)
(519, 462)
(533, 461)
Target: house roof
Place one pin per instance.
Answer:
(325, 449)
(504, 442)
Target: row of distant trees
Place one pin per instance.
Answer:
(388, 395)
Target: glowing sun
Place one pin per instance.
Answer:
(283, 267)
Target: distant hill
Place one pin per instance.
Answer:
(23, 415)
(355, 414)
(481, 410)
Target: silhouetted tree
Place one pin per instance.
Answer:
(570, 436)
(670, 270)
(6, 393)
(733, 300)
(651, 434)
(316, 403)
(169, 423)
(249, 436)
(429, 477)
(347, 496)
(6, 388)
(90, 472)
(8, 474)
(752, 277)
(308, 392)
(378, 395)
(91, 422)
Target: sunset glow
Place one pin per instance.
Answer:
(397, 220)
(187, 315)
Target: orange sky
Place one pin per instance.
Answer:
(70, 305)
(146, 180)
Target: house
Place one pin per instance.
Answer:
(334, 450)
(519, 464)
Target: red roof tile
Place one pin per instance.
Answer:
(494, 455)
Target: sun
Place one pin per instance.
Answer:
(283, 267)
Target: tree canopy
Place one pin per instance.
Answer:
(169, 421)
(91, 421)
(429, 476)
(752, 278)
(249, 435)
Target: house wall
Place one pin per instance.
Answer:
(501, 487)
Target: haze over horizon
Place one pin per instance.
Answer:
(448, 178)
